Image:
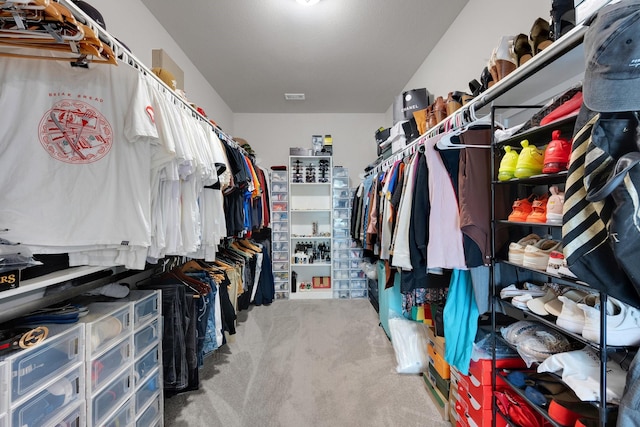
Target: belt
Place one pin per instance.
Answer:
(21, 338)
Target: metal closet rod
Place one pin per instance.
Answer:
(124, 55)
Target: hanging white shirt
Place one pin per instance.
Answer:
(75, 154)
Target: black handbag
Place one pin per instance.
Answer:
(623, 185)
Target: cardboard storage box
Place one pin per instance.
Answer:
(441, 402)
(321, 282)
(438, 362)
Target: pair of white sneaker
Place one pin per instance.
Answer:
(582, 316)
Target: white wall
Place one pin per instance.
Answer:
(271, 135)
(132, 23)
(464, 50)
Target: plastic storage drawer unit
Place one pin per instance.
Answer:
(3, 420)
(147, 390)
(53, 399)
(146, 337)
(113, 394)
(146, 364)
(30, 368)
(151, 415)
(103, 368)
(106, 323)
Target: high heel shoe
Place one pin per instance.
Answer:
(539, 36)
(506, 60)
(454, 102)
(493, 69)
(563, 18)
(486, 79)
(522, 49)
(439, 109)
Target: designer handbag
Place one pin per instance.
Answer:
(624, 230)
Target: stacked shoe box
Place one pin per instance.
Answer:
(124, 361)
(342, 243)
(44, 385)
(471, 394)
(147, 353)
(358, 280)
(437, 377)
(109, 363)
(280, 228)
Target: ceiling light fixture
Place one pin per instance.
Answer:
(308, 2)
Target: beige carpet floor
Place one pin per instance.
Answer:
(305, 363)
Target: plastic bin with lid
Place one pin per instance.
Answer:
(148, 389)
(110, 397)
(151, 414)
(105, 366)
(147, 337)
(106, 323)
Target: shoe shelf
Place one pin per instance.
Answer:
(558, 66)
(566, 280)
(527, 224)
(541, 133)
(280, 237)
(542, 411)
(551, 178)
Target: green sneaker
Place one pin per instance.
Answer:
(530, 161)
(507, 164)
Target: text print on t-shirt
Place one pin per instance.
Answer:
(75, 132)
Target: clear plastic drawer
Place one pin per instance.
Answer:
(106, 323)
(123, 416)
(281, 236)
(279, 216)
(281, 286)
(280, 266)
(341, 233)
(280, 246)
(279, 176)
(342, 294)
(341, 255)
(281, 275)
(146, 364)
(279, 206)
(102, 369)
(340, 203)
(341, 284)
(281, 226)
(52, 400)
(30, 368)
(279, 197)
(281, 256)
(147, 390)
(110, 397)
(145, 306)
(356, 274)
(340, 172)
(358, 294)
(359, 284)
(75, 417)
(341, 213)
(146, 337)
(151, 414)
(341, 274)
(3, 420)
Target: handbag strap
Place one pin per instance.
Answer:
(623, 165)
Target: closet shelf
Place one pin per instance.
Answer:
(311, 294)
(547, 73)
(568, 279)
(313, 264)
(528, 224)
(535, 407)
(537, 179)
(541, 133)
(310, 183)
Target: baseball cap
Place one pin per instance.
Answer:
(92, 12)
(166, 76)
(612, 55)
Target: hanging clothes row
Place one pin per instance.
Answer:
(200, 302)
(118, 171)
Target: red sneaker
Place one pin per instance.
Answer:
(557, 154)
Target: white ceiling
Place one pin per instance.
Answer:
(347, 56)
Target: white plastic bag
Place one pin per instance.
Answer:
(409, 341)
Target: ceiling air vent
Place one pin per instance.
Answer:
(294, 96)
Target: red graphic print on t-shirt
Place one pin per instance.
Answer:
(75, 132)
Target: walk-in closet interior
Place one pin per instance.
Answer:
(319, 213)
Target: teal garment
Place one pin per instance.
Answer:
(460, 318)
(388, 299)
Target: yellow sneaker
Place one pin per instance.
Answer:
(530, 161)
(507, 164)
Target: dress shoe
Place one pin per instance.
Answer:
(563, 18)
(539, 35)
(522, 49)
(486, 79)
(505, 58)
(454, 102)
(439, 109)
(421, 120)
(493, 69)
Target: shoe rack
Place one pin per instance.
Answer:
(511, 101)
(348, 280)
(280, 229)
(310, 227)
